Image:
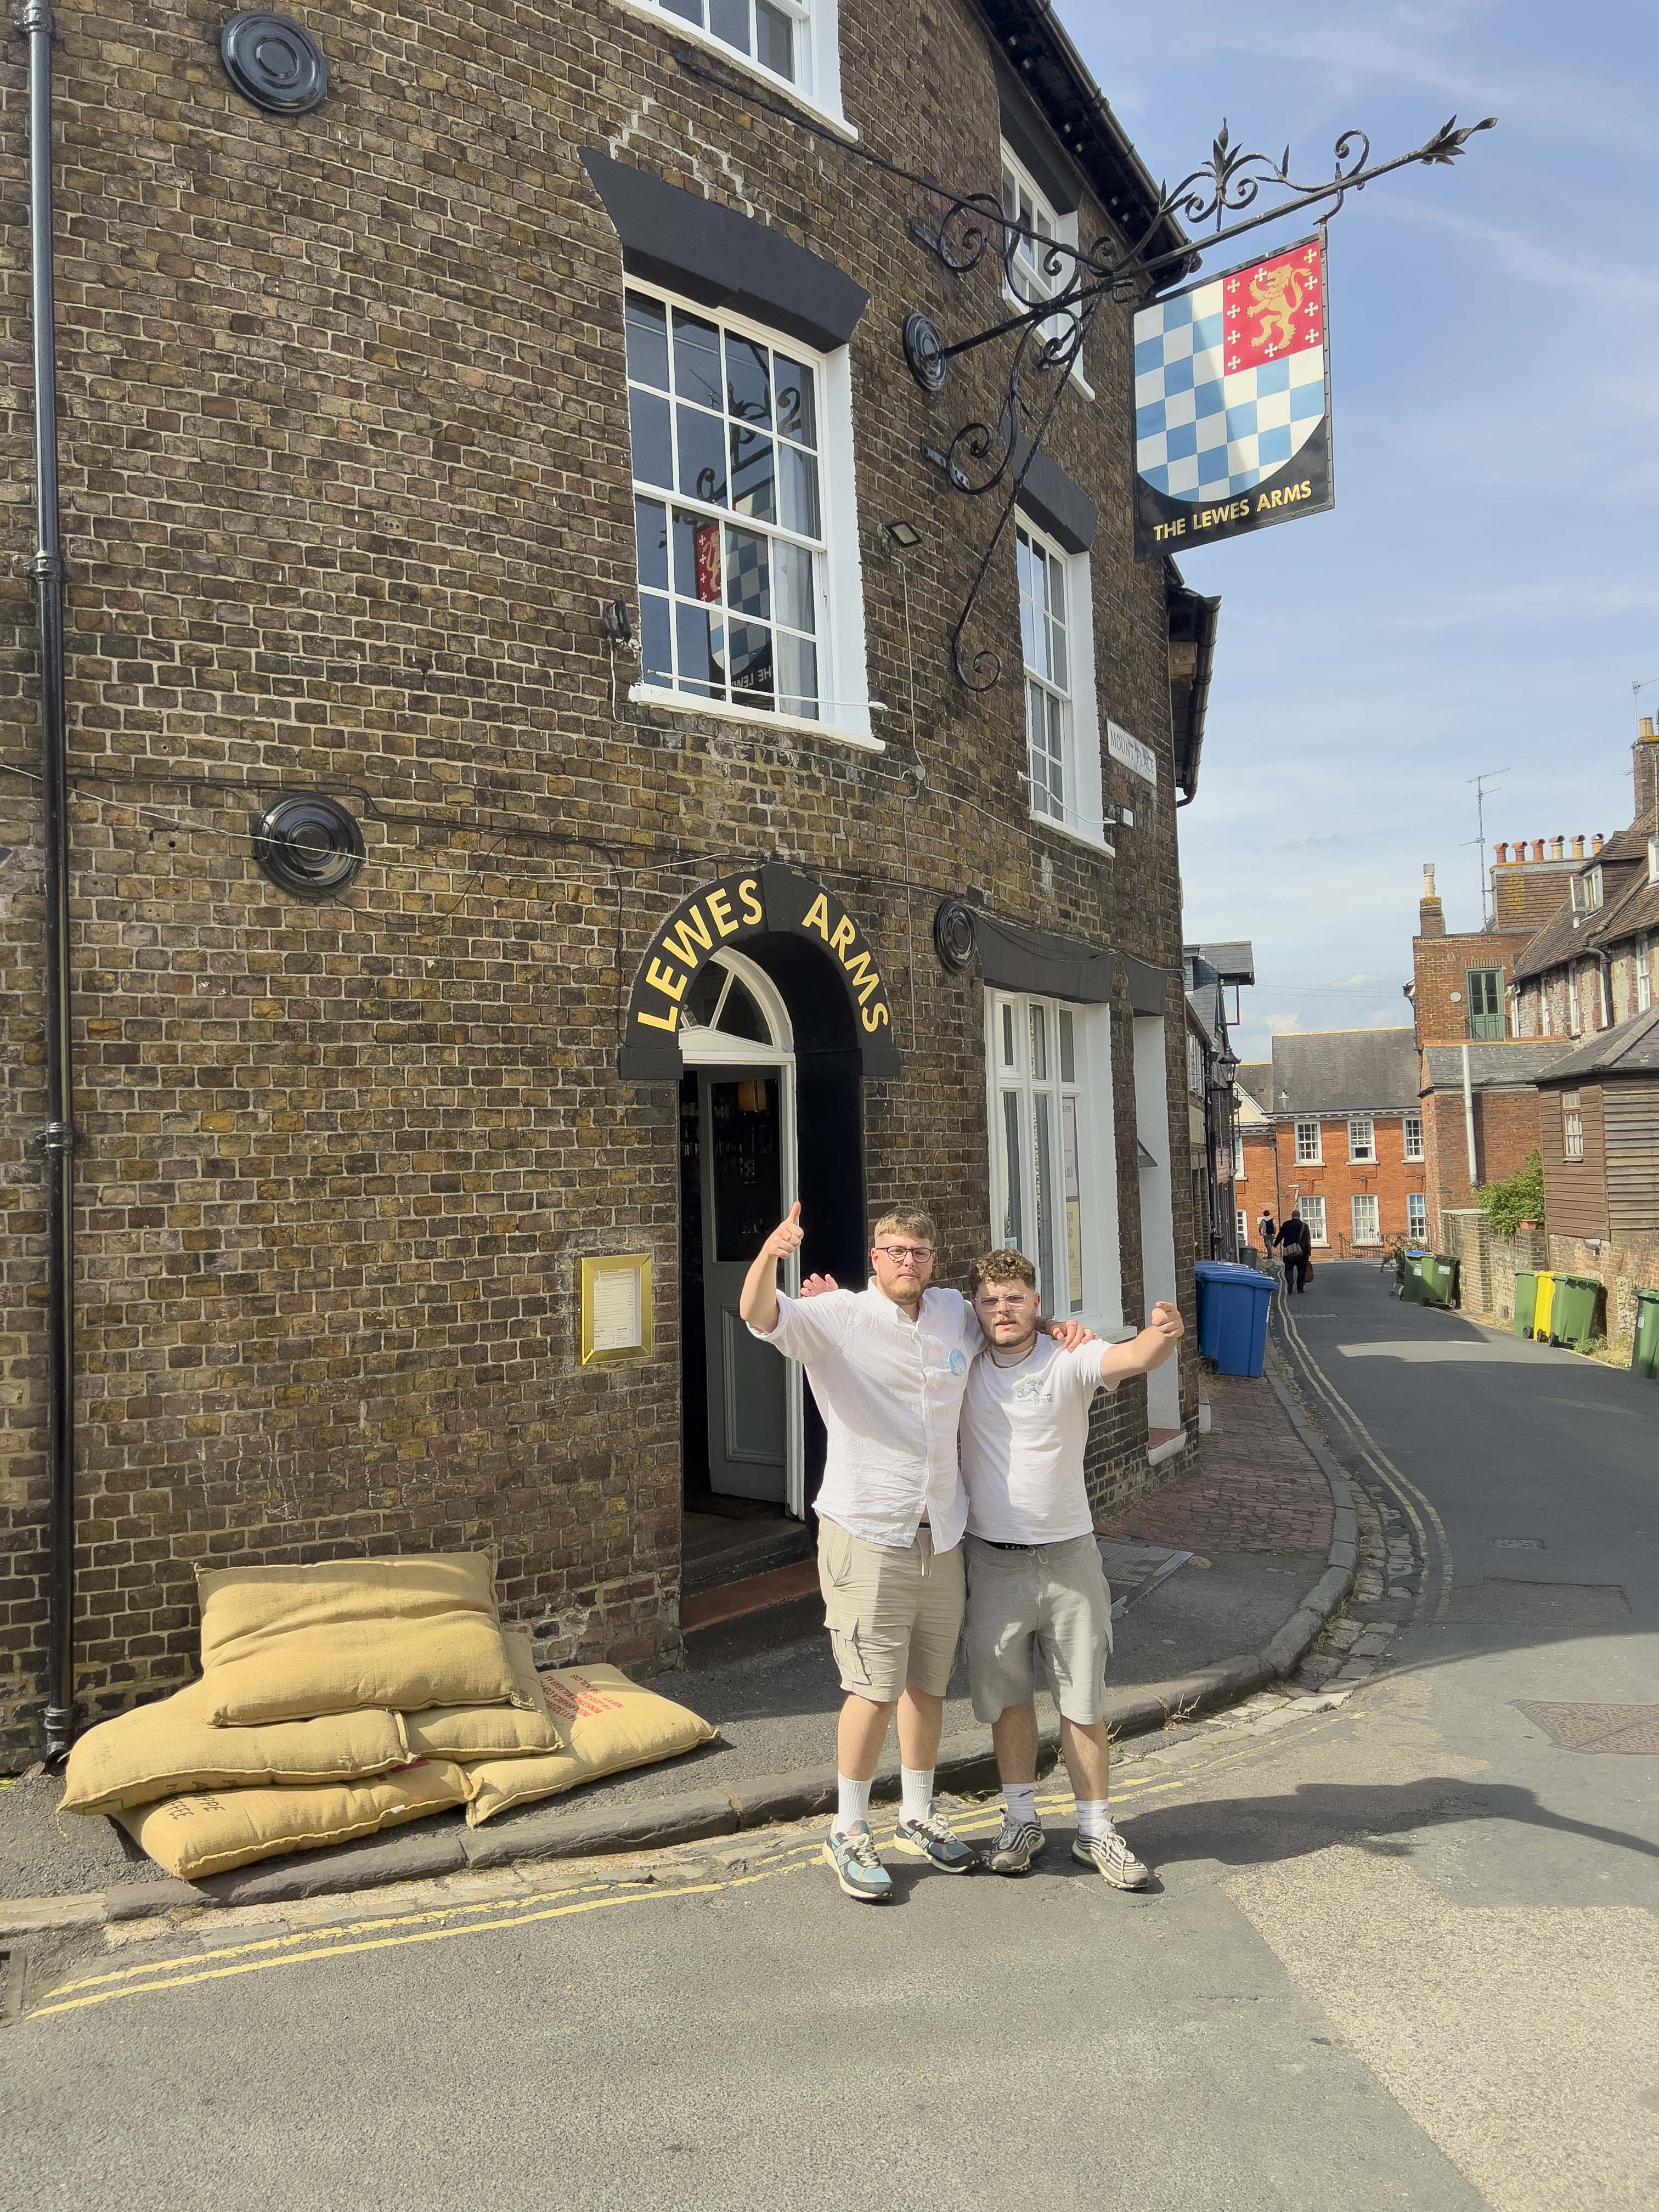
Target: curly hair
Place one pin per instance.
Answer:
(1000, 1267)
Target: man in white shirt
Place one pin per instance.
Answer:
(1035, 1578)
(887, 1366)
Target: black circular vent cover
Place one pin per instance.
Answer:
(953, 935)
(274, 63)
(308, 845)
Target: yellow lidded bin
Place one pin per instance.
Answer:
(1540, 1312)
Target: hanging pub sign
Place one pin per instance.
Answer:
(1233, 404)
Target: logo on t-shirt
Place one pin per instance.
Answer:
(958, 1362)
(1032, 1387)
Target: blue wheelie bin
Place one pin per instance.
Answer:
(1233, 1315)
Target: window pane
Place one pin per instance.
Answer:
(753, 475)
(1008, 1036)
(776, 40)
(791, 581)
(690, 9)
(799, 487)
(798, 403)
(1073, 1183)
(651, 537)
(749, 652)
(1067, 1056)
(656, 663)
(646, 324)
(1043, 1181)
(700, 637)
(697, 557)
(741, 1016)
(1013, 1174)
(1040, 1044)
(647, 425)
(703, 456)
(749, 574)
(748, 380)
(1059, 665)
(729, 20)
(696, 360)
(798, 675)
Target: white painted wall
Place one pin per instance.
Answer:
(1157, 1204)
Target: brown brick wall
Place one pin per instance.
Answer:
(1440, 966)
(346, 483)
(1506, 1131)
(1274, 1178)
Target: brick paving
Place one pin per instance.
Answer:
(1258, 1488)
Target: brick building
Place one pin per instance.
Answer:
(1212, 972)
(1336, 1130)
(517, 451)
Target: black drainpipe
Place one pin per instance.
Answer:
(34, 20)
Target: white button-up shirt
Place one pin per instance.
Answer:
(890, 1389)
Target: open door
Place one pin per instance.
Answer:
(740, 1159)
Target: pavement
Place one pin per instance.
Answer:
(1400, 1950)
(1248, 1536)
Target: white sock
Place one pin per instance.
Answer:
(852, 1803)
(1094, 1817)
(1020, 1798)
(918, 1782)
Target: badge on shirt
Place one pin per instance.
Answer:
(958, 1362)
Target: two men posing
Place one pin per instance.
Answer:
(900, 1371)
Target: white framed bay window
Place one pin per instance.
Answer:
(1062, 727)
(750, 604)
(1053, 1160)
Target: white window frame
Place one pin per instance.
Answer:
(1365, 1204)
(1412, 1137)
(1238, 1156)
(1079, 812)
(1362, 1147)
(1644, 975)
(1046, 221)
(1572, 1126)
(1587, 892)
(1653, 860)
(1417, 1213)
(1304, 1157)
(1081, 1132)
(817, 86)
(1312, 1211)
(1575, 1012)
(843, 701)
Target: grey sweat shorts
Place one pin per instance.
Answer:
(1053, 1598)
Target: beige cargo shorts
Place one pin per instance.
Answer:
(893, 1616)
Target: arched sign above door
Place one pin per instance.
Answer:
(747, 909)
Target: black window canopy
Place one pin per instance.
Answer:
(712, 253)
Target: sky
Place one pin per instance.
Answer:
(1484, 595)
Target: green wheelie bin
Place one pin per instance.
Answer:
(1572, 1316)
(1540, 1312)
(1526, 1301)
(1439, 1279)
(1644, 1350)
(1411, 1278)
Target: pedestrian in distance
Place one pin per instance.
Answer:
(1295, 1250)
(1265, 1232)
(1035, 1583)
(887, 1366)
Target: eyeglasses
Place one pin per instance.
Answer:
(1010, 1298)
(899, 1253)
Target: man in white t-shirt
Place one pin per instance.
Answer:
(887, 1366)
(1035, 1578)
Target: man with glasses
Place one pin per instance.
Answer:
(887, 1365)
(1035, 1578)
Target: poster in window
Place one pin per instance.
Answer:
(1233, 403)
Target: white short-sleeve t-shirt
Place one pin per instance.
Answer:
(1025, 1427)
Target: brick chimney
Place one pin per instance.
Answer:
(1644, 761)
(1431, 914)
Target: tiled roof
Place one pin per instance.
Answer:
(1234, 963)
(1492, 1065)
(1345, 1072)
(1255, 1080)
(1633, 1048)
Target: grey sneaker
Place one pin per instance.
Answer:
(1019, 1843)
(857, 1869)
(1114, 1860)
(934, 1840)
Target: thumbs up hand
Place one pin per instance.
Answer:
(785, 1238)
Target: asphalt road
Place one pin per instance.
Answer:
(1402, 1953)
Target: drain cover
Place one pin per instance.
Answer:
(1599, 1727)
(1517, 1543)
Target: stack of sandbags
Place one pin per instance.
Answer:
(346, 1697)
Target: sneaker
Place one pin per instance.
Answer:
(1018, 1843)
(857, 1869)
(1114, 1859)
(934, 1840)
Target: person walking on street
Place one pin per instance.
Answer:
(1265, 1232)
(1034, 1579)
(1296, 1250)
